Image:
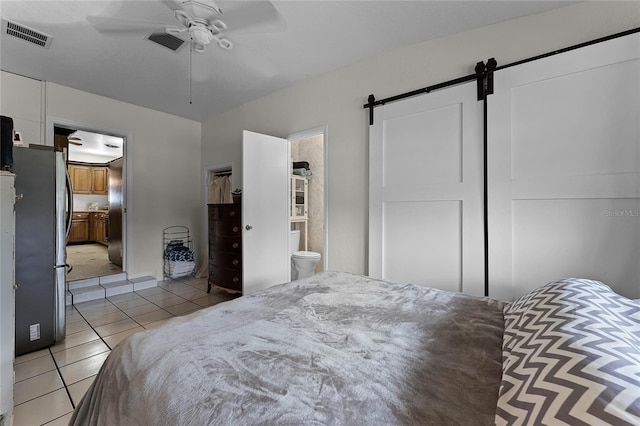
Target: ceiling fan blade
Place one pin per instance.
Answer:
(251, 17)
(106, 25)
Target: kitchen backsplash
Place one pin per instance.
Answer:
(83, 202)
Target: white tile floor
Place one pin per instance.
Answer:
(52, 381)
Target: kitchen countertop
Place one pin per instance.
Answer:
(91, 211)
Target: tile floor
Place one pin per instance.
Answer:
(52, 381)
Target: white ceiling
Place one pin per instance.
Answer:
(318, 36)
(95, 147)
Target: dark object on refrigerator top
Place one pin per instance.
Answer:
(6, 143)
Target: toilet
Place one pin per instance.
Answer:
(303, 263)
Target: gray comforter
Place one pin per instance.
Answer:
(334, 348)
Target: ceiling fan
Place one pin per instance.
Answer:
(204, 21)
(68, 135)
(74, 140)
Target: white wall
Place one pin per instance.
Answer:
(336, 98)
(162, 151)
(21, 99)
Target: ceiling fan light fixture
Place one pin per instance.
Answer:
(200, 34)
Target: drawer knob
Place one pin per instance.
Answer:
(248, 227)
(235, 229)
(232, 213)
(235, 245)
(236, 279)
(235, 262)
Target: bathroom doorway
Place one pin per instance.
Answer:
(308, 158)
(309, 146)
(95, 161)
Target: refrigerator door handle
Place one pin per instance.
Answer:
(69, 202)
(60, 322)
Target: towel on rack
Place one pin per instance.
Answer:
(303, 172)
(179, 259)
(301, 165)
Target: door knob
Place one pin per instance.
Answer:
(248, 227)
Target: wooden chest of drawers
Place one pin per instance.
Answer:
(225, 247)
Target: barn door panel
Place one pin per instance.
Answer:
(564, 170)
(425, 216)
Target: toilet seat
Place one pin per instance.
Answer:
(305, 255)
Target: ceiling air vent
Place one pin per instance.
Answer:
(25, 33)
(167, 40)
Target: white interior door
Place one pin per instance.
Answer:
(564, 170)
(265, 215)
(425, 191)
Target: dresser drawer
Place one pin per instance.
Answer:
(226, 260)
(226, 278)
(225, 212)
(227, 244)
(225, 229)
(80, 216)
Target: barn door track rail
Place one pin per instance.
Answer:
(372, 102)
(487, 70)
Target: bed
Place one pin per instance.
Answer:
(343, 349)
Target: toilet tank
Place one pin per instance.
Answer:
(294, 240)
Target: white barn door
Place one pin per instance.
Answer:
(564, 170)
(425, 193)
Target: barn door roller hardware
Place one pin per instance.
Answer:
(484, 78)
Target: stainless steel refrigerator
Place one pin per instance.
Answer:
(43, 200)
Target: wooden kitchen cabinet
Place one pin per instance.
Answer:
(89, 179)
(79, 232)
(100, 180)
(81, 178)
(98, 228)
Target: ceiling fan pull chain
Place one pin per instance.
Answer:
(190, 71)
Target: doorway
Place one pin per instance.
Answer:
(308, 159)
(95, 244)
(265, 183)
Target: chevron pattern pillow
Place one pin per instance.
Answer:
(571, 355)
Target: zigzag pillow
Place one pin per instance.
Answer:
(571, 355)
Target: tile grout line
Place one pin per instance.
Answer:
(92, 328)
(64, 383)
